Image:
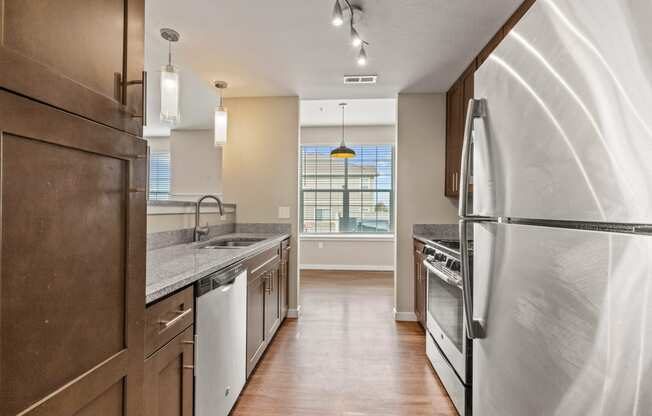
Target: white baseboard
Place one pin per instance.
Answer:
(355, 267)
(294, 313)
(405, 316)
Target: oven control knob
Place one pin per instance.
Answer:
(440, 257)
(455, 266)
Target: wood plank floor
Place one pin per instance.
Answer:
(345, 356)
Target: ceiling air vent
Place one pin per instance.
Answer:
(360, 79)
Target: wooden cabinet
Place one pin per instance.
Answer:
(169, 362)
(169, 377)
(457, 99)
(73, 262)
(454, 132)
(267, 299)
(420, 284)
(255, 320)
(285, 277)
(272, 302)
(263, 303)
(83, 56)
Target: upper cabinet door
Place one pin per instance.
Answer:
(83, 56)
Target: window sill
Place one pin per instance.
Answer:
(347, 237)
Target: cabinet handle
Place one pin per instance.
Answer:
(189, 367)
(268, 278)
(143, 84)
(180, 316)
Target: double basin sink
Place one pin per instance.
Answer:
(227, 243)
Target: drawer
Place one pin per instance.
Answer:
(263, 262)
(167, 318)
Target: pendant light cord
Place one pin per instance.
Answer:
(169, 53)
(342, 144)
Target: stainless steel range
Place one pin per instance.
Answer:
(447, 346)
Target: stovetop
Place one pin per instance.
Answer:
(444, 255)
(451, 246)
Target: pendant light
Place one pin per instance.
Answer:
(221, 116)
(170, 82)
(343, 152)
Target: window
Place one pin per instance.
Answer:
(159, 174)
(347, 195)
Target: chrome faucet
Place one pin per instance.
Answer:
(199, 230)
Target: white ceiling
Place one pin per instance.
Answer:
(288, 47)
(358, 112)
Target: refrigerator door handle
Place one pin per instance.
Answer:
(475, 328)
(477, 108)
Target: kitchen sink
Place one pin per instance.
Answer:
(231, 243)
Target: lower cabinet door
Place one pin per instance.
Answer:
(272, 304)
(255, 320)
(284, 289)
(423, 289)
(169, 378)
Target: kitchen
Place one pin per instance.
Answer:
(166, 257)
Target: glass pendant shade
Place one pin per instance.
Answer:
(221, 120)
(170, 94)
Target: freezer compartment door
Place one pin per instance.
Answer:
(568, 322)
(568, 131)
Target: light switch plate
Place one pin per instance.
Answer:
(320, 244)
(284, 212)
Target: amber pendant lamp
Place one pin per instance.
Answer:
(342, 152)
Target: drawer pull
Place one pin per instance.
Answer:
(180, 316)
(188, 367)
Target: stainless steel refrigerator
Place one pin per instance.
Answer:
(558, 148)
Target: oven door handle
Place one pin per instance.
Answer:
(451, 281)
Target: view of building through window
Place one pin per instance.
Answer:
(347, 195)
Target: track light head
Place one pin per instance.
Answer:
(356, 40)
(362, 56)
(338, 16)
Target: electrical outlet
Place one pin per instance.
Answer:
(284, 212)
(320, 244)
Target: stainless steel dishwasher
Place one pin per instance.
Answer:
(221, 327)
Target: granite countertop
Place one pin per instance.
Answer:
(427, 233)
(175, 267)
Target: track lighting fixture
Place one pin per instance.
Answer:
(356, 39)
(362, 56)
(338, 16)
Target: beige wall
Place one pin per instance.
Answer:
(196, 164)
(260, 163)
(420, 183)
(353, 253)
(353, 134)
